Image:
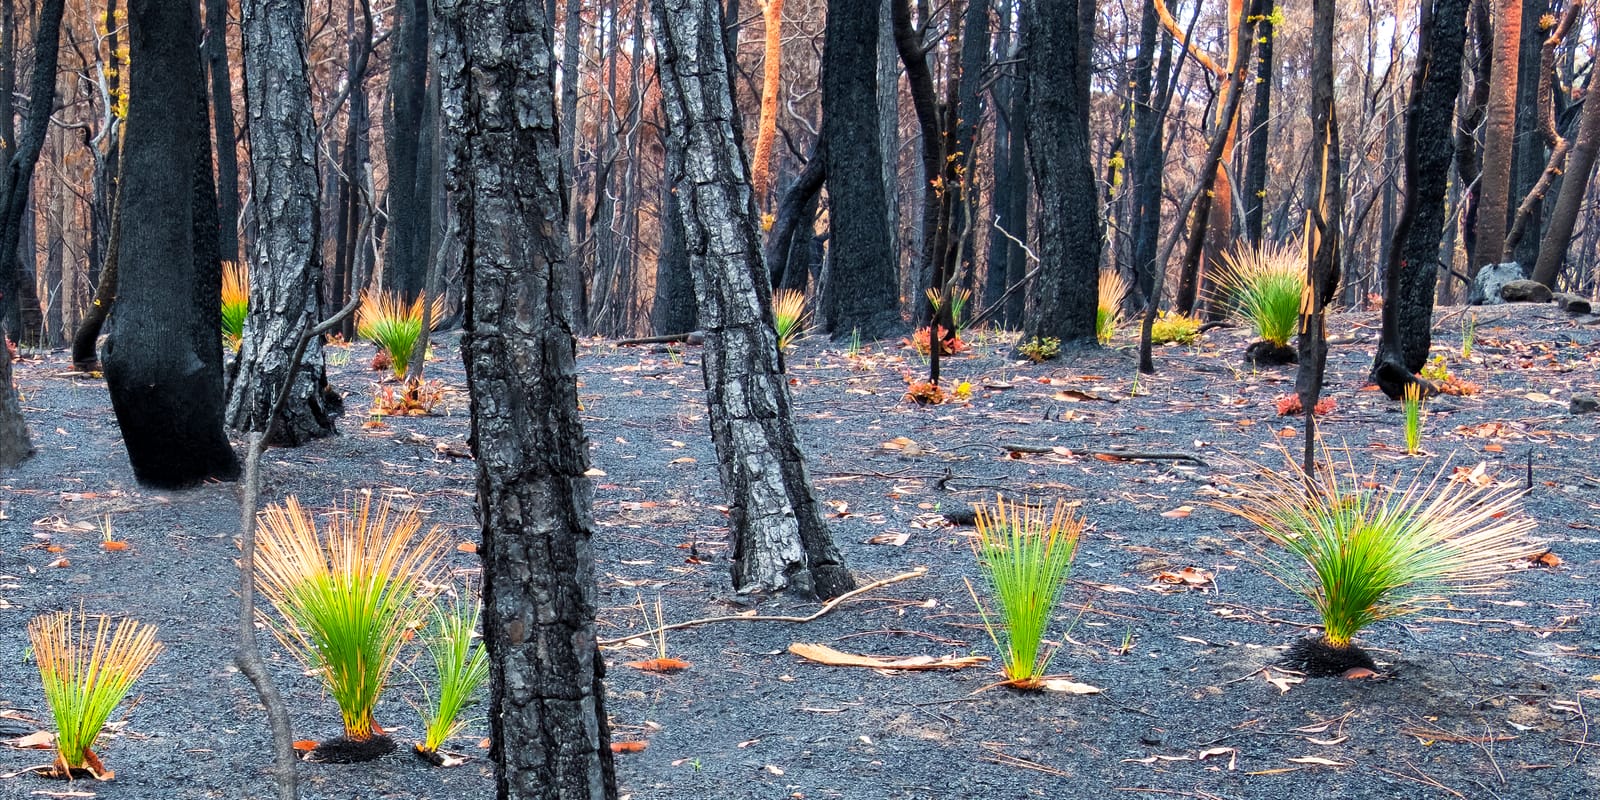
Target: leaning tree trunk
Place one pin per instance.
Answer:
(1055, 35)
(1408, 282)
(1574, 189)
(780, 539)
(862, 295)
(286, 274)
(163, 361)
(547, 719)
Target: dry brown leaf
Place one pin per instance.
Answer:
(38, 740)
(1068, 687)
(661, 665)
(822, 654)
(1178, 513)
(467, 547)
(1326, 762)
(631, 746)
(1283, 682)
(890, 538)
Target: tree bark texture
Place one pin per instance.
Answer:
(862, 294)
(1411, 272)
(406, 249)
(1057, 62)
(548, 727)
(16, 173)
(674, 309)
(215, 52)
(1529, 148)
(1255, 174)
(1499, 135)
(793, 220)
(286, 273)
(1324, 209)
(1574, 189)
(780, 541)
(163, 360)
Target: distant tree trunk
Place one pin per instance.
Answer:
(1056, 37)
(1255, 175)
(780, 539)
(1324, 211)
(215, 52)
(407, 245)
(163, 364)
(994, 281)
(888, 61)
(86, 339)
(1530, 149)
(286, 265)
(1469, 153)
(549, 734)
(771, 70)
(862, 294)
(1499, 135)
(1529, 212)
(1429, 148)
(960, 256)
(793, 220)
(675, 309)
(1574, 190)
(16, 173)
(348, 202)
(1146, 154)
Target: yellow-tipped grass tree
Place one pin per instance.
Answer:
(87, 667)
(460, 667)
(1026, 556)
(1112, 290)
(346, 600)
(388, 322)
(1361, 553)
(1263, 286)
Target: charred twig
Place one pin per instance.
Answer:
(1116, 452)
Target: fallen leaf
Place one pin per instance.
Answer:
(304, 745)
(822, 654)
(1357, 673)
(1178, 513)
(890, 538)
(60, 562)
(467, 547)
(1283, 682)
(661, 665)
(631, 746)
(1068, 687)
(774, 770)
(114, 546)
(1326, 762)
(1328, 742)
(38, 740)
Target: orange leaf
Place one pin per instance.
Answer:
(660, 665)
(1106, 457)
(467, 547)
(1178, 513)
(305, 745)
(1494, 448)
(114, 546)
(632, 746)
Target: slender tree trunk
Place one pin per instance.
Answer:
(888, 62)
(406, 247)
(1499, 135)
(793, 220)
(1324, 210)
(86, 340)
(1574, 190)
(862, 294)
(163, 364)
(286, 274)
(1469, 153)
(1056, 35)
(675, 309)
(780, 539)
(1410, 274)
(771, 70)
(1255, 176)
(547, 718)
(1540, 179)
(1530, 149)
(215, 52)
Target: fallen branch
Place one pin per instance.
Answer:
(692, 337)
(1127, 455)
(826, 607)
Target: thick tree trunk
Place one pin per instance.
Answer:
(163, 362)
(1570, 198)
(1055, 34)
(548, 727)
(286, 274)
(1324, 209)
(406, 248)
(215, 52)
(1430, 146)
(1499, 134)
(780, 539)
(674, 309)
(862, 293)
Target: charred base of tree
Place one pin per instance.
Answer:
(1268, 354)
(1318, 657)
(352, 751)
(1393, 378)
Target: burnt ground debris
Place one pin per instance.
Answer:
(1485, 696)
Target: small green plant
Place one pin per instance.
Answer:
(1361, 555)
(1172, 328)
(789, 316)
(460, 667)
(1264, 286)
(1040, 348)
(386, 321)
(1411, 405)
(235, 302)
(346, 600)
(958, 305)
(87, 668)
(855, 343)
(1026, 557)
(1112, 291)
(1436, 369)
(1469, 332)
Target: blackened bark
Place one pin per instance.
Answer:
(1408, 288)
(1530, 211)
(862, 293)
(674, 309)
(795, 212)
(1255, 174)
(548, 727)
(1499, 134)
(407, 246)
(16, 173)
(163, 362)
(286, 260)
(215, 52)
(780, 541)
(1570, 198)
(1530, 149)
(933, 226)
(1324, 209)
(1146, 157)
(1469, 152)
(86, 339)
(352, 165)
(1054, 33)
(994, 281)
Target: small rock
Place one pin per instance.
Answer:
(1524, 291)
(1486, 286)
(1573, 303)
(1151, 738)
(1584, 404)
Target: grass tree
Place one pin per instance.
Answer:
(1360, 554)
(1263, 285)
(460, 669)
(1026, 557)
(87, 667)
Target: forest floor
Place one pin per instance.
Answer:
(1487, 696)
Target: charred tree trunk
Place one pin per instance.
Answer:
(1408, 287)
(1324, 211)
(674, 310)
(286, 274)
(1056, 36)
(1255, 174)
(352, 168)
(163, 362)
(1146, 156)
(1570, 198)
(794, 216)
(548, 727)
(406, 248)
(862, 294)
(1530, 147)
(215, 52)
(780, 539)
